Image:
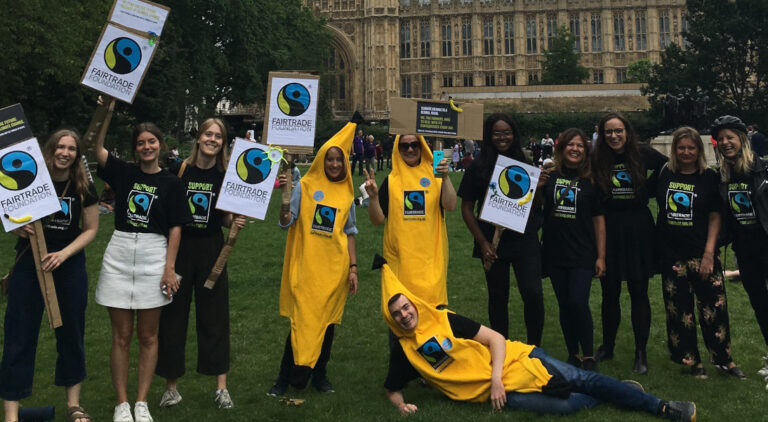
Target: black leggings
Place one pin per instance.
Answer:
(528, 275)
(754, 274)
(298, 376)
(611, 312)
(572, 286)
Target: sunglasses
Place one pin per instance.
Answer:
(405, 146)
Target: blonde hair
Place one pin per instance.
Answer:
(77, 172)
(743, 161)
(222, 158)
(687, 132)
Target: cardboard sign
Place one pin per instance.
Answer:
(291, 115)
(119, 63)
(13, 125)
(141, 15)
(249, 180)
(26, 190)
(509, 198)
(436, 118)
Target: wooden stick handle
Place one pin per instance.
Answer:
(221, 261)
(45, 278)
(494, 244)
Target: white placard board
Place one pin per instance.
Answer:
(118, 63)
(509, 198)
(291, 117)
(249, 180)
(143, 16)
(26, 190)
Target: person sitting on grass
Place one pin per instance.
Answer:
(467, 361)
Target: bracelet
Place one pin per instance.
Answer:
(352, 265)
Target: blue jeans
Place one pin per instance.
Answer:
(589, 389)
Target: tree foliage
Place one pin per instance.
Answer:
(209, 49)
(561, 61)
(725, 58)
(639, 71)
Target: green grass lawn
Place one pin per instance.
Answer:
(359, 359)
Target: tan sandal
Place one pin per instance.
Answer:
(76, 412)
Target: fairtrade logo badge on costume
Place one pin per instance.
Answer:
(17, 170)
(434, 354)
(122, 55)
(325, 218)
(199, 205)
(293, 99)
(139, 204)
(413, 203)
(253, 166)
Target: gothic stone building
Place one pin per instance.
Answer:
(488, 50)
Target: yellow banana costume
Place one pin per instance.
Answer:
(415, 237)
(316, 265)
(459, 368)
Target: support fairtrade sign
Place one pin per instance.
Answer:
(291, 114)
(250, 179)
(26, 190)
(509, 198)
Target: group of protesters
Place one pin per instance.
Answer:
(592, 207)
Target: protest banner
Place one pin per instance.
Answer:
(27, 194)
(436, 118)
(125, 48)
(250, 179)
(290, 119)
(510, 193)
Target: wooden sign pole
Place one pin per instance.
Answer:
(45, 278)
(494, 244)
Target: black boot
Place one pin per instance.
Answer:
(641, 363)
(604, 353)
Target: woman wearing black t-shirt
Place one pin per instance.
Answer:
(66, 260)
(744, 193)
(138, 271)
(620, 168)
(688, 225)
(201, 241)
(521, 251)
(573, 242)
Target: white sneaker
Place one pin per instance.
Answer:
(223, 400)
(142, 412)
(170, 398)
(122, 413)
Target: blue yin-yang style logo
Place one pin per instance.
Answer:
(433, 353)
(566, 196)
(621, 179)
(679, 202)
(514, 182)
(253, 166)
(138, 203)
(324, 218)
(122, 55)
(740, 203)
(413, 200)
(293, 99)
(17, 170)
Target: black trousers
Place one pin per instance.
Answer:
(196, 257)
(572, 286)
(753, 268)
(297, 375)
(527, 269)
(611, 312)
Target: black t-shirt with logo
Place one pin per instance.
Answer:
(145, 203)
(622, 195)
(685, 202)
(748, 234)
(568, 232)
(202, 189)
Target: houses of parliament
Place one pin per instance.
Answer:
(489, 51)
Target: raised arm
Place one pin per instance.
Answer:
(375, 213)
(447, 192)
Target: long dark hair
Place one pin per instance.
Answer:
(147, 127)
(603, 156)
(585, 167)
(489, 153)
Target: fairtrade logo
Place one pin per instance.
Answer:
(740, 203)
(293, 99)
(122, 55)
(64, 207)
(414, 200)
(433, 353)
(425, 182)
(138, 203)
(514, 182)
(200, 200)
(325, 217)
(17, 170)
(679, 202)
(253, 166)
(621, 178)
(565, 196)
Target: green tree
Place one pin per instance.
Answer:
(639, 71)
(561, 61)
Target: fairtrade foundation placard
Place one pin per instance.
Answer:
(26, 190)
(119, 62)
(509, 198)
(249, 180)
(290, 118)
(140, 15)
(436, 118)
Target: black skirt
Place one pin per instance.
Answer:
(629, 249)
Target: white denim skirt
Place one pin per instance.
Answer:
(131, 271)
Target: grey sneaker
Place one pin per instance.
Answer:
(122, 413)
(678, 410)
(170, 398)
(223, 400)
(141, 410)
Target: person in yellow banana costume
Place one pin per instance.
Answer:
(320, 267)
